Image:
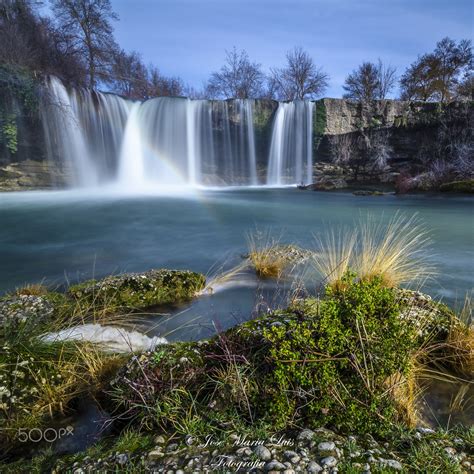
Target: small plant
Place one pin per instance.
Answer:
(334, 254)
(34, 289)
(392, 252)
(266, 255)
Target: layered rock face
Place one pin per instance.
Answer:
(388, 142)
(382, 144)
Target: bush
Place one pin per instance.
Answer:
(320, 362)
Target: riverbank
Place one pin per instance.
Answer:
(348, 366)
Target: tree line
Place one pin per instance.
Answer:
(78, 45)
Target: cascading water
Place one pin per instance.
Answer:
(290, 159)
(84, 131)
(172, 142)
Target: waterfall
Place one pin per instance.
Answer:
(173, 142)
(290, 159)
(84, 131)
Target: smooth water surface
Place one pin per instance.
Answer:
(69, 236)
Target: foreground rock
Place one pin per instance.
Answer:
(139, 290)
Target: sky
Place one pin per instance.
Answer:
(188, 38)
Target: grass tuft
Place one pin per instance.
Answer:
(393, 252)
(266, 255)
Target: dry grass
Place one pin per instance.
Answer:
(34, 289)
(223, 277)
(459, 349)
(392, 251)
(334, 253)
(266, 255)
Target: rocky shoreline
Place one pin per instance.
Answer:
(221, 404)
(306, 451)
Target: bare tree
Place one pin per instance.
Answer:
(363, 83)
(387, 76)
(300, 78)
(370, 82)
(129, 75)
(89, 22)
(237, 78)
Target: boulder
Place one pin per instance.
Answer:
(138, 290)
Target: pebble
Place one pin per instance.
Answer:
(327, 447)
(274, 466)
(391, 463)
(122, 459)
(263, 453)
(313, 467)
(329, 461)
(306, 435)
(155, 454)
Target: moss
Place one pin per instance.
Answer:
(9, 132)
(138, 290)
(319, 123)
(466, 186)
(319, 362)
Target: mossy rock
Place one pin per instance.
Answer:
(466, 186)
(320, 362)
(138, 290)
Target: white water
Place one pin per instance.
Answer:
(109, 338)
(290, 159)
(169, 143)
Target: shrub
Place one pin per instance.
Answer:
(331, 366)
(320, 362)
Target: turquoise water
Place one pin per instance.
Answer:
(69, 236)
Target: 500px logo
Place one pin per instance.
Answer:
(50, 435)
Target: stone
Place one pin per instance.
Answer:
(329, 461)
(262, 453)
(327, 448)
(122, 459)
(155, 454)
(274, 466)
(391, 463)
(172, 447)
(305, 435)
(313, 467)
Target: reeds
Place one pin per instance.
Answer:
(393, 251)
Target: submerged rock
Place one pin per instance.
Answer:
(139, 290)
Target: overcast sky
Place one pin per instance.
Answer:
(188, 38)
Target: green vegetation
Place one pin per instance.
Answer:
(138, 291)
(320, 121)
(333, 361)
(465, 186)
